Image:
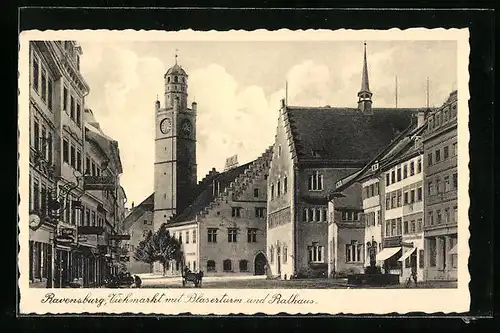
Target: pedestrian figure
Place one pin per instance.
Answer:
(414, 273)
(137, 281)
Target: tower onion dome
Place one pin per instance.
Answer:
(176, 70)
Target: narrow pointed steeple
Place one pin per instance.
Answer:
(364, 94)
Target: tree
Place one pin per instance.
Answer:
(145, 251)
(165, 247)
(158, 247)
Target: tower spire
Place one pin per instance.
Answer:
(364, 94)
(176, 55)
(365, 83)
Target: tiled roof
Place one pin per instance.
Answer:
(137, 211)
(205, 193)
(345, 134)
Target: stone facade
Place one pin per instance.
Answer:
(440, 186)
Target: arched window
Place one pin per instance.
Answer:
(243, 266)
(226, 265)
(210, 266)
(184, 79)
(168, 79)
(176, 79)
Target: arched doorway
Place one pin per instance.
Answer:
(260, 264)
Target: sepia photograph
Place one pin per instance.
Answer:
(194, 167)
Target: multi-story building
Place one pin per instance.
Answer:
(391, 188)
(441, 184)
(61, 207)
(57, 99)
(314, 148)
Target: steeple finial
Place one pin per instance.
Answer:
(365, 84)
(176, 55)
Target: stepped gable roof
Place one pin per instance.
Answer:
(205, 193)
(137, 211)
(345, 134)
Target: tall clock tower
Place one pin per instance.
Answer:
(175, 148)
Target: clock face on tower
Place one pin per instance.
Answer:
(186, 127)
(165, 125)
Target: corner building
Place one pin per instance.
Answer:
(441, 185)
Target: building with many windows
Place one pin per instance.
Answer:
(61, 248)
(315, 147)
(441, 184)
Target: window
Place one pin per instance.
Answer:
(285, 254)
(236, 211)
(412, 196)
(387, 179)
(194, 236)
(78, 115)
(405, 198)
(36, 135)
(231, 235)
(278, 187)
(87, 165)
(429, 159)
(73, 157)
(412, 168)
(260, 212)
(285, 185)
(446, 215)
(399, 198)
(446, 183)
(399, 226)
(393, 228)
(324, 218)
(387, 201)
(438, 216)
(405, 227)
(377, 191)
(176, 79)
(180, 237)
(94, 173)
(405, 171)
(315, 182)
(438, 185)
(49, 93)
(413, 227)
(212, 235)
(44, 85)
(421, 259)
(432, 252)
(72, 108)
(379, 221)
(35, 73)
(399, 174)
(430, 188)
(393, 177)
(315, 253)
(438, 155)
(187, 237)
(455, 180)
(252, 235)
(430, 218)
(210, 266)
(419, 225)
(387, 228)
(243, 266)
(49, 147)
(226, 265)
(446, 153)
(272, 191)
(79, 161)
(419, 166)
(65, 151)
(393, 200)
(354, 252)
(255, 192)
(455, 149)
(65, 99)
(93, 219)
(279, 150)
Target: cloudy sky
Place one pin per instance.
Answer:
(238, 85)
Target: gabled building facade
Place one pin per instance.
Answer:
(315, 147)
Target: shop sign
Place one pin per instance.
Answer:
(102, 183)
(119, 237)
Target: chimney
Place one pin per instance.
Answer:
(283, 104)
(194, 106)
(420, 119)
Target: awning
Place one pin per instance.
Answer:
(453, 250)
(387, 253)
(407, 254)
